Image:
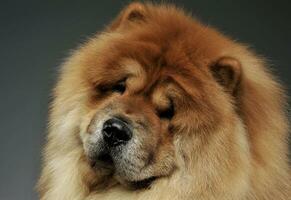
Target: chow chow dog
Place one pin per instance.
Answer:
(159, 106)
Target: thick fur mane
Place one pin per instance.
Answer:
(261, 146)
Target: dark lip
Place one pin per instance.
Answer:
(142, 184)
(104, 160)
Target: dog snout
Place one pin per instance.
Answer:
(116, 132)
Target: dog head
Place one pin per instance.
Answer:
(153, 81)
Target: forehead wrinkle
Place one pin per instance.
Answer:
(179, 85)
(154, 77)
(160, 75)
(137, 75)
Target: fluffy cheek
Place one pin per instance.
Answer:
(140, 163)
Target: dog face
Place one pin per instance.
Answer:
(145, 94)
(129, 129)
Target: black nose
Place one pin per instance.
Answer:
(115, 132)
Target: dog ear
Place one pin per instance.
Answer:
(133, 13)
(227, 72)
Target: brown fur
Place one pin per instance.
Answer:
(227, 140)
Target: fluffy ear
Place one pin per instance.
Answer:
(133, 13)
(227, 72)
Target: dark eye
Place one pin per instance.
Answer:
(167, 113)
(119, 87)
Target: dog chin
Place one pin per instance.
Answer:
(105, 164)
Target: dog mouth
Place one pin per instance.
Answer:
(104, 161)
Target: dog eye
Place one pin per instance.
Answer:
(119, 87)
(167, 113)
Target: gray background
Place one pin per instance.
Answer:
(35, 36)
